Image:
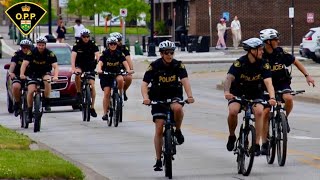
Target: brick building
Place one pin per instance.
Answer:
(255, 15)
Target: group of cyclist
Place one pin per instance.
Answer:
(34, 63)
(263, 68)
(37, 62)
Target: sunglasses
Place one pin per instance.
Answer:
(112, 44)
(168, 52)
(25, 47)
(86, 36)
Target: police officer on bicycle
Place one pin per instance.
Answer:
(111, 61)
(167, 76)
(279, 60)
(126, 52)
(40, 66)
(246, 76)
(14, 72)
(84, 57)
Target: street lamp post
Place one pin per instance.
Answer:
(292, 29)
(49, 17)
(152, 47)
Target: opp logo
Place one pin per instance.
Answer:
(25, 15)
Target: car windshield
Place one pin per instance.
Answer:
(63, 55)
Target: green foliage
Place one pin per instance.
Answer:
(91, 7)
(12, 140)
(160, 27)
(101, 30)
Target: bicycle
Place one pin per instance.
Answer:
(245, 144)
(169, 140)
(116, 103)
(86, 100)
(24, 106)
(277, 134)
(37, 109)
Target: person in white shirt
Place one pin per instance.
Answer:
(77, 28)
(236, 32)
(221, 28)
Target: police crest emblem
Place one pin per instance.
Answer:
(25, 15)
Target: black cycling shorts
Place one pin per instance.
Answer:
(160, 112)
(106, 81)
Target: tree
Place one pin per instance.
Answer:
(87, 8)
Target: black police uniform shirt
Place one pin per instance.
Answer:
(18, 58)
(279, 60)
(165, 79)
(85, 53)
(124, 49)
(41, 63)
(249, 77)
(112, 60)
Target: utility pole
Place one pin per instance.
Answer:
(152, 47)
(291, 15)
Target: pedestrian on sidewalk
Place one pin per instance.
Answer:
(221, 28)
(236, 32)
(77, 29)
(61, 31)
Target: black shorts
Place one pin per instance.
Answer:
(282, 86)
(160, 112)
(18, 80)
(106, 81)
(36, 75)
(86, 67)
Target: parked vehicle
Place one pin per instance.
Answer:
(64, 90)
(309, 43)
(317, 52)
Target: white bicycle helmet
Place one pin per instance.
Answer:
(112, 40)
(25, 42)
(252, 43)
(269, 34)
(41, 39)
(84, 32)
(116, 35)
(167, 45)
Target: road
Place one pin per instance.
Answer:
(127, 152)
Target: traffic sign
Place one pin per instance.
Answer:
(310, 17)
(123, 12)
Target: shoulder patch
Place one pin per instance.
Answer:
(266, 66)
(237, 63)
(52, 54)
(15, 54)
(29, 53)
(126, 48)
(182, 66)
(149, 68)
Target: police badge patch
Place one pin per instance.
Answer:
(25, 15)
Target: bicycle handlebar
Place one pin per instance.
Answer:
(243, 99)
(169, 101)
(292, 92)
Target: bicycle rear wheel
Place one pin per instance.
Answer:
(37, 112)
(249, 135)
(271, 141)
(111, 107)
(168, 153)
(282, 139)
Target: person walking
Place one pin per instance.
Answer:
(221, 28)
(61, 31)
(236, 32)
(77, 29)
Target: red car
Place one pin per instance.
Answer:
(64, 90)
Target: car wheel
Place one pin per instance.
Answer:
(9, 103)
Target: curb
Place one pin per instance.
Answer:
(89, 173)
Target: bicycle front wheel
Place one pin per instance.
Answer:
(271, 141)
(88, 104)
(117, 107)
(37, 112)
(249, 135)
(282, 139)
(168, 153)
(24, 112)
